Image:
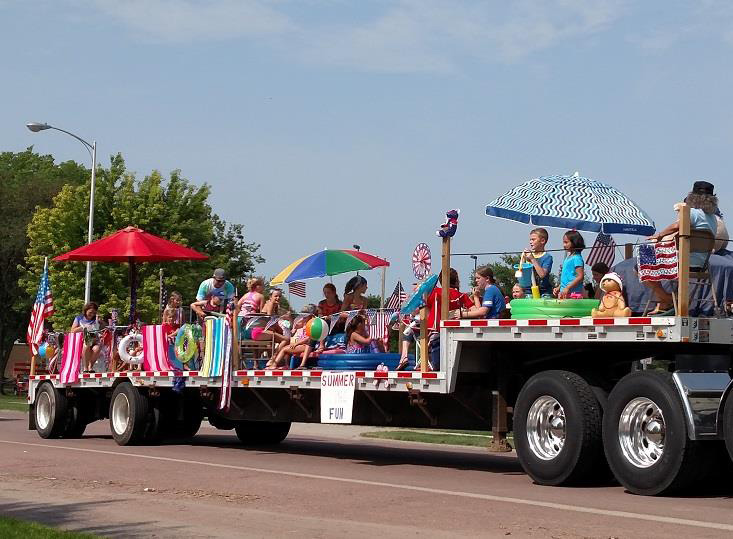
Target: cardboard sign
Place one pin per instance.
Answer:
(337, 396)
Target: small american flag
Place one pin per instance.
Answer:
(603, 250)
(297, 288)
(658, 261)
(378, 321)
(397, 298)
(42, 309)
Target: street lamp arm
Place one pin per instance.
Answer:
(88, 146)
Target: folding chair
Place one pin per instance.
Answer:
(702, 242)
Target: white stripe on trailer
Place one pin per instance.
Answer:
(562, 322)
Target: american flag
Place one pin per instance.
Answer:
(42, 309)
(658, 261)
(297, 288)
(603, 250)
(378, 321)
(397, 298)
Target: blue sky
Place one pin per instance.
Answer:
(323, 123)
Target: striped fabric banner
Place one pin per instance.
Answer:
(225, 395)
(155, 349)
(71, 358)
(214, 346)
(379, 323)
(603, 250)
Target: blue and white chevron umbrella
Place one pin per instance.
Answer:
(572, 202)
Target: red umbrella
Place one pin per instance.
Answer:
(131, 245)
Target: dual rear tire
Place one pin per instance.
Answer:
(563, 436)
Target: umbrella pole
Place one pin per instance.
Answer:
(133, 290)
(160, 295)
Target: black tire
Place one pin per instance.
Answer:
(129, 415)
(50, 411)
(77, 420)
(658, 463)
(262, 432)
(221, 423)
(571, 453)
(728, 424)
(187, 417)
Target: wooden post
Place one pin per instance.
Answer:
(423, 339)
(683, 286)
(33, 364)
(445, 280)
(628, 251)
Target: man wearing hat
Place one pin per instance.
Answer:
(217, 286)
(704, 214)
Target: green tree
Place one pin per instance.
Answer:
(27, 181)
(172, 208)
(373, 301)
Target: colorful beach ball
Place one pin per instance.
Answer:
(317, 329)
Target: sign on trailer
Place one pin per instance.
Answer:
(337, 396)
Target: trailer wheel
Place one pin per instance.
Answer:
(645, 435)
(76, 420)
(129, 416)
(188, 420)
(557, 429)
(728, 424)
(50, 411)
(262, 432)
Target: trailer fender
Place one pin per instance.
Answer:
(702, 399)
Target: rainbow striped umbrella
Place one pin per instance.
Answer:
(328, 262)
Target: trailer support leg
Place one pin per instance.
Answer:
(297, 397)
(264, 402)
(416, 399)
(385, 415)
(499, 412)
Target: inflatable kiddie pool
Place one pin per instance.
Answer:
(524, 309)
(356, 362)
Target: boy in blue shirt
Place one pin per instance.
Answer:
(541, 262)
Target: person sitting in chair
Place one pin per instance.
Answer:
(703, 210)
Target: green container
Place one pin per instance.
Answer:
(523, 309)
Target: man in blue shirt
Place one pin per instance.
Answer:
(216, 286)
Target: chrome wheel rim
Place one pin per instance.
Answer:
(546, 427)
(641, 432)
(120, 413)
(43, 410)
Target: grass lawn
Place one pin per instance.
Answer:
(8, 402)
(470, 438)
(11, 528)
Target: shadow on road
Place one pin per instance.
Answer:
(374, 455)
(73, 516)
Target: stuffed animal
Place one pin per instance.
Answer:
(612, 302)
(448, 229)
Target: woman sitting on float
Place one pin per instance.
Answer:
(90, 323)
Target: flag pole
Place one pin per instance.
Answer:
(33, 356)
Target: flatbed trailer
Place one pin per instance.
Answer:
(572, 390)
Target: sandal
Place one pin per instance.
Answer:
(404, 361)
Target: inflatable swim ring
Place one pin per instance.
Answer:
(523, 309)
(124, 346)
(185, 346)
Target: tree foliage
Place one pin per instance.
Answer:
(27, 181)
(169, 207)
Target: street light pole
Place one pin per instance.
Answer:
(35, 127)
(475, 261)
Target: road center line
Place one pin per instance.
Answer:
(414, 488)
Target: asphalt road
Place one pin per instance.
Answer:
(323, 481)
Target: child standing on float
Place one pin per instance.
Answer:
(541, 262)
(571, 275)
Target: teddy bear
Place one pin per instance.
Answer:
(612, 302)
(448, 229)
